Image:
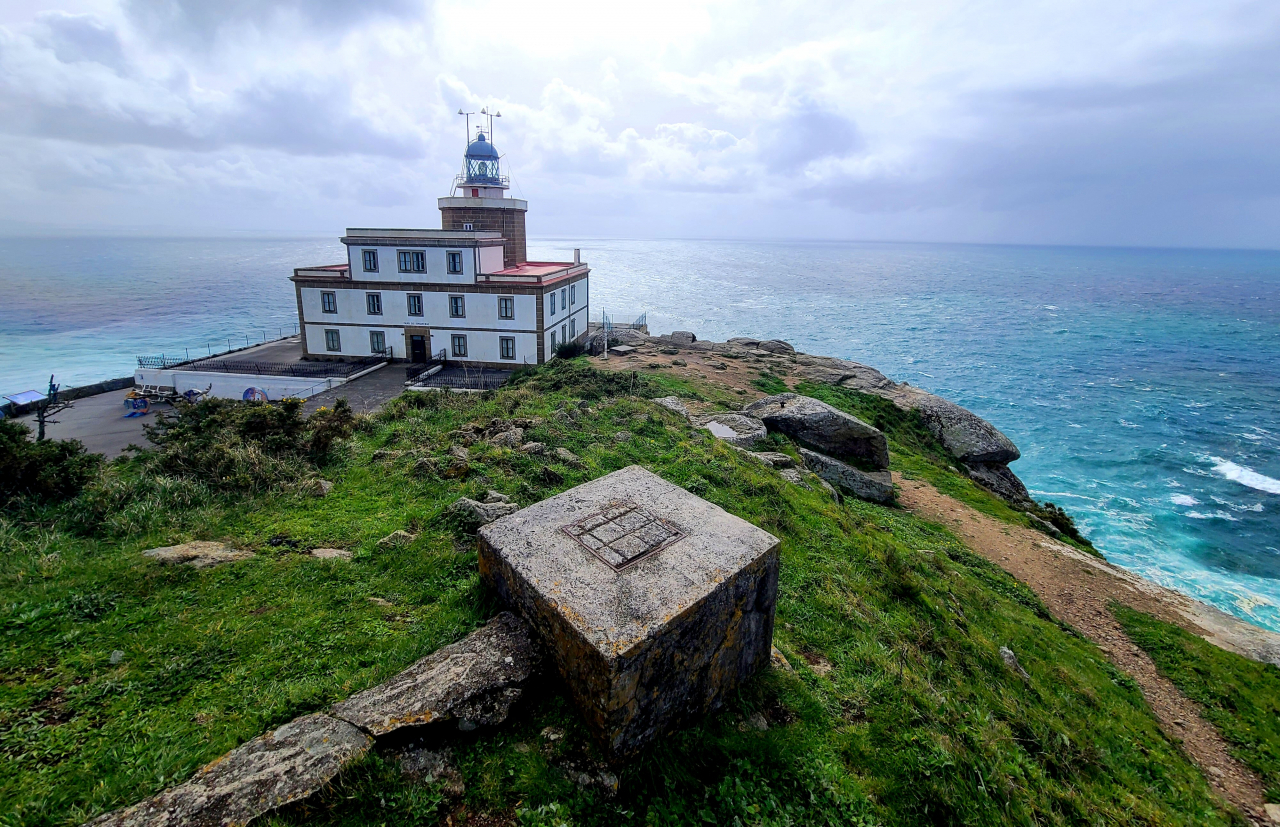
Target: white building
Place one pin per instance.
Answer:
(466, 290)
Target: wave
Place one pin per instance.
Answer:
(1245, 476)
(1217, 515)
(1183, 499)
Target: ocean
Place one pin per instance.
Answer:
(1142, 386)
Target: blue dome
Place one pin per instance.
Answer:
(481, 149)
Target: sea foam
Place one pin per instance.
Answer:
(1245, 476)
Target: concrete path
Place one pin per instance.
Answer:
(366, 394)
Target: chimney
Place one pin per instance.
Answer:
(577, 256)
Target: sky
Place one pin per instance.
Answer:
(1099, 122)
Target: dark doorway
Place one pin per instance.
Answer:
(417, 348)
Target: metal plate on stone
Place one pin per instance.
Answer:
(623, 533)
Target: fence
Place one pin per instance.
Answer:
(415, 370)
(309, 370)
(479, 379)
(165, 360)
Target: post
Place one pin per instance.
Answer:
(577, 255)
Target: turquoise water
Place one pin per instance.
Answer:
(1141, 385)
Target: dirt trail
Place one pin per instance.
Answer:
(1078, 588)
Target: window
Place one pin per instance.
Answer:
(415, 304)
(563, 337)
(553, 343)
(552, 303)
(458, 307)
(506, 347)
(573, 294)
(371, 261)
(373, 303)
(466, 227)
(459, 345)
(377, 341)
(564, 298)
(573, 329)
(332, 341)
(506, 307)
(329, 302)
(413, 261)
(455, 263)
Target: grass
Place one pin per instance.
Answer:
(1241, 697)
(899, 711)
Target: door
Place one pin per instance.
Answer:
(418, 349)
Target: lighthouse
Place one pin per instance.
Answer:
(464, 294)
(479, 202)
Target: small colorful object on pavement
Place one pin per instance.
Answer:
(254, 395)
(136, 406)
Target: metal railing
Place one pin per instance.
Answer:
(415, 370)
(466, 378)
(167, 360)
(308, 370)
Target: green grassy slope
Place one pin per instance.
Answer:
(900, 710)
(1240, 696)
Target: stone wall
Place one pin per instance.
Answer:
(491, 219)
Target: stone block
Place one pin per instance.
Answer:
(653, 603)
(875, 486)
(819, 426)
(256, 777)
(475, 681)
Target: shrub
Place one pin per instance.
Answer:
(570, 350)
(328, 425)
(50, 470)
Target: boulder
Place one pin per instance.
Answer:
(997, 478)
(533, 448)
(199, 554)
(569, 458)
(496, 497)
(474, 681)
(682, 337)
(270, 771)
(316, 487)
(673, 403)
(777, 346)
(736, 429)
(512, 438)
(874, 486)
(821, 427)
(478, 514)
(777, 459)
(331, 553)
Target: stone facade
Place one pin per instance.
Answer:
(509, 222)
(653, 603)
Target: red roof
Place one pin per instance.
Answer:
(533, 268)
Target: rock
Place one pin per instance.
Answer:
(779, 660)
(777, 346)
(777, 459)
(1273, 812)
(1045, 526)
(331, 553)
(552, 733)
(316, 487)
(495, 497)
(682, 337)
(429, 766)
(673, 403)
(476, 679)
(513, 438)
(755, 722)
(397, 538)
(679, 363)
(736, 429)
(424, 467)
(1011, 661)
(821, 427)
(199, 554)
(479, 514)
(456, 469)
(794, 476)
(550, 476)
(460, 452)
(533, 448)
(718, 365)
(874, 486)
(997, 478)
(826, 486)
(270, 771)
(654, 603)
(117, 655)
(623, 436)
(569, 458)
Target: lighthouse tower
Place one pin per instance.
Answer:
(480, 201)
